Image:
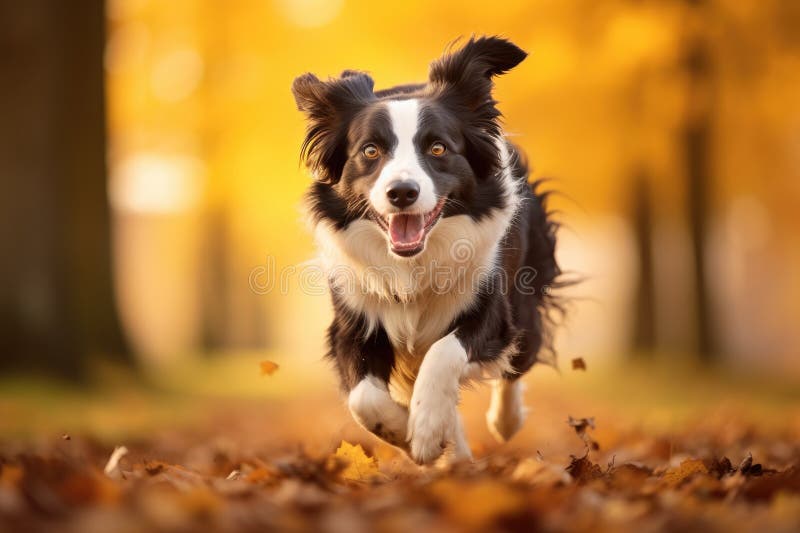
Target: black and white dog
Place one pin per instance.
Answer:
(438, 251)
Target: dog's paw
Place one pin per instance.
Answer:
(374, 409)
(506, 412)
(506, 423)
(428, 445)
(430, 432)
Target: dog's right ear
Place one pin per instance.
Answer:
(329, 106)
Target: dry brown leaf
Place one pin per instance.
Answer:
(747, 468)
(746, 463)
(268, 368)
(720, 467)
(360, 466)
(583, 470)
(154, 467)
(579, 364)
(581, 425)
(686, 470)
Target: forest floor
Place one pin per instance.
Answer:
(218, 446)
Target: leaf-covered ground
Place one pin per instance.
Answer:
(625, 450)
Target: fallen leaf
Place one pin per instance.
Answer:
(268, 368)
(360, 466)
(579, 364)
(720, 467)
(583, 470)
(747, 468)
(686, 470)
(746, 463)
(154, 468)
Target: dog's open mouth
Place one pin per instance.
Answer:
(407, 232)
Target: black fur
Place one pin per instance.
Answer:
(355, 351)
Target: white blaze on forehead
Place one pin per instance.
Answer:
(404, 163)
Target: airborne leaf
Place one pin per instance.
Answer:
(268, 368)
(579, 364)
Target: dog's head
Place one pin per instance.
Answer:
(407, 156)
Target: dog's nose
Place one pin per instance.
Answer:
(402, 193)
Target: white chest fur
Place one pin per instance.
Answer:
(414, 299)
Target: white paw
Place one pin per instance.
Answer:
(431, 428)
(375, 410)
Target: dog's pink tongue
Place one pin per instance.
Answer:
(406, 230)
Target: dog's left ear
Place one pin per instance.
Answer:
(468, 72)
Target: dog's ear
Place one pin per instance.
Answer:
(329, 106)
(462, 80)
(468, 71)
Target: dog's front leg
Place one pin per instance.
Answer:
(375, 410)
(433, 414)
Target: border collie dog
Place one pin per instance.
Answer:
(438, 251)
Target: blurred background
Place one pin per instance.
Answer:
(151, 160)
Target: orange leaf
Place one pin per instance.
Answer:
(360, 466)
(687, 469)
(268, 368)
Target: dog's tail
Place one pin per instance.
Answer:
(541, 228)
(549, 277)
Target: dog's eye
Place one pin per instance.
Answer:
(438, 149)
(370, 151)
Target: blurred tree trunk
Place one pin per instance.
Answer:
(56, 299)
(696, 144)
(644, 332)
(641, 216)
